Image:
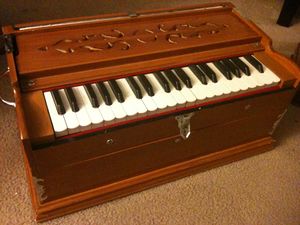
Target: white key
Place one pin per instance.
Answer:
(237, 84)
(58, 121)
(138, 103)
(255, 76)
(272, 78)
(158, 97)
(148, 101)
(198, 88)
(234, 83)
(242, 83)
(214, 89)
(218, 88)
(70, 116)
(116, 106)
(227, 86)
(82, 115)
(248, 81)
(94, 113)
(186, 92)
(178, 97)
(104, 109)
(169, 99)
(264, 76)
(129, 103)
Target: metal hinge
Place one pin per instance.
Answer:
(8, 44)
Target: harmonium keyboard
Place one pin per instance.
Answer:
(114, 104)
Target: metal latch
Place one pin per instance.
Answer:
(7, 44)
(133, 14)
(184, 124)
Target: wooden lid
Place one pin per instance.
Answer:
(63, 47)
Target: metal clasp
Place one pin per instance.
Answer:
(133, 14)
(7, 44)
(184, 124)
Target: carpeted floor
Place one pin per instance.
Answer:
(264, 189)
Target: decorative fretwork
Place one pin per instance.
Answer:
(117, 39)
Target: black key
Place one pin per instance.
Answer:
(208, 72)
(199, 74)
(71, 99)
(91, 94)
(163, 81)
(173, 79)
(241, 65)
(183, 77)
(116, 90)
(58, 102)
(104, 93)
(233, 68)
(223, 69)
(146, 84)
(134, 87)
(254, 63)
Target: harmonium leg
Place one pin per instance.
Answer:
(106, 108)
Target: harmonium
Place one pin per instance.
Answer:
(110, 105)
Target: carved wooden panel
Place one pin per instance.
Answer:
(121, 40)
(150, 38)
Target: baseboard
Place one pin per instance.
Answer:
(135, 184)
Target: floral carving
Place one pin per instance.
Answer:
(117, 39)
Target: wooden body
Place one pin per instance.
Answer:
(69, 174)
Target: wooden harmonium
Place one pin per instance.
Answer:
(114, 104)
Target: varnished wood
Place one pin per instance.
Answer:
(57, 61)
(66, 175)
(209, 35)
(17, 95)
(129, 68)
(152, 178)
(128, 137)
(35, 110)
(55, 161)
(106, 126)
(31, 170)
(287, 78)
(90, 19)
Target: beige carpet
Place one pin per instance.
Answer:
(264, 189)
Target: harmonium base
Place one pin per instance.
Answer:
(111, 105)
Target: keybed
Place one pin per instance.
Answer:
(81, 108)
